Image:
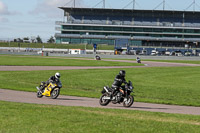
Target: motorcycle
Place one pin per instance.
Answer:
(52, 90)
(97, 57)
(138, 60)
(121, 96)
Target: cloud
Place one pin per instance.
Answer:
(50, 7)
(3, 9)
(3, 19)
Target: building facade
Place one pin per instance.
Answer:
(139, 27)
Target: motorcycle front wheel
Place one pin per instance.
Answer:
(129, 101)
(55, 93)
(39, 94)
(103, 101)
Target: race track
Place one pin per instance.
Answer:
(30, 97)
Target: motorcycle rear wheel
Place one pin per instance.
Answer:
(55, 93)
(129, 101)
(102, 101)
(39, 94)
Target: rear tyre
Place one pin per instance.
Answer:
(129, 101)
(39, 94)
(55, 93)
(103, 101)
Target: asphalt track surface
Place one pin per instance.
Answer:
(30, 97)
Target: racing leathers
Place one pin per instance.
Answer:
(118, 81)
(51, 79)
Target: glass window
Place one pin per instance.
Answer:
(107, 28)
(127, 29)
(77, 27)
(157, 30)
(147, 30)
(138, 29)
(189, 31)
(87, 28)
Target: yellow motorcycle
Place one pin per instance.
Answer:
(51, 90)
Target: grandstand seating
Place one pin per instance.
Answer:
(130, 20)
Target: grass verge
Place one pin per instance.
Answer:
(173, 85)
(20, 117)
(177, 61)
(170, 61)
(56, 61)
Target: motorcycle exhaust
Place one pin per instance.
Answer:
(38, 88)
(106, 89)
(107, 98)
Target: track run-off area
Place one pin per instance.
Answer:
(30, 97)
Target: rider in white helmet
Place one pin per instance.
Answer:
(54, 78)
(57, 75)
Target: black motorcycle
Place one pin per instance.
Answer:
(121, 96)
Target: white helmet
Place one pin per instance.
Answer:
(57, 75)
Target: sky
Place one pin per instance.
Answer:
(30, 18)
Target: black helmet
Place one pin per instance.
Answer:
(122, 73)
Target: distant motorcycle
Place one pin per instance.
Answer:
(52, 90)
(121, 96)
(138, 60)
(97, 57)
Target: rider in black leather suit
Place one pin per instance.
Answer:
(119, 80)
(55, 78)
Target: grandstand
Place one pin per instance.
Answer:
(156, 28)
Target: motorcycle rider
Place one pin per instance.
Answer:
(118, 81)
(138, 60)
(97, 57)
(54, 78)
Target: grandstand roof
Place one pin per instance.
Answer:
(124, 11)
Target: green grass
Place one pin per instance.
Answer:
(173, 85)
(59, 46)
(176, 61)
(20, 117)
(171, 61)
(56, 61)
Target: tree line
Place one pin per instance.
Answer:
(38, 39)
